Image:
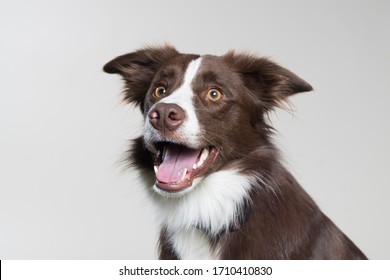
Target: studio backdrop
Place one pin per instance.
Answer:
(65, 192)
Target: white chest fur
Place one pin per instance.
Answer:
(192, 244)
(212, 204)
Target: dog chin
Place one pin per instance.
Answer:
(179, 193)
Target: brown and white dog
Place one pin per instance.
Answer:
(209, 164)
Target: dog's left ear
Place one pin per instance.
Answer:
(265, 79)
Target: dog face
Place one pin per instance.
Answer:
(202, 113)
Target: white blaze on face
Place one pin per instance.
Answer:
(190, 130)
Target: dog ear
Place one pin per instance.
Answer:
(265, 79)
(138, 69)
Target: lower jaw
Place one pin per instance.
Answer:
(166, 190)
(174, 187)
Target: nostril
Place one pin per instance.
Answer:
(172, 115)
(176, 113)
(154, 115)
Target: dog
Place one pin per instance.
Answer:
(208, 161)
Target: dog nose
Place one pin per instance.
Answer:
(166, 116)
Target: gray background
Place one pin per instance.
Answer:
(64, 193)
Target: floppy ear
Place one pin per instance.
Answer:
(138, 69)
(267, 81)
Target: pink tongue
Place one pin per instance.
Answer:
(177, 158)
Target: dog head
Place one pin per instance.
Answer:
(201, 112)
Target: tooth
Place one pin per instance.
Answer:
(194, 166)
(184, 174)
(164, 151)
(155, 169)
(203, 157)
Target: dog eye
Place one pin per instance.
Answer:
(214, 94)
(160, 91)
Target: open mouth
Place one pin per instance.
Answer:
(176, 166)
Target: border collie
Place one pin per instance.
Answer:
(208, 162)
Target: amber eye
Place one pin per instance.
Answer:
(159, 92)
(214, 94)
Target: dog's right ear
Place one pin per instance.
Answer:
(138, 69)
